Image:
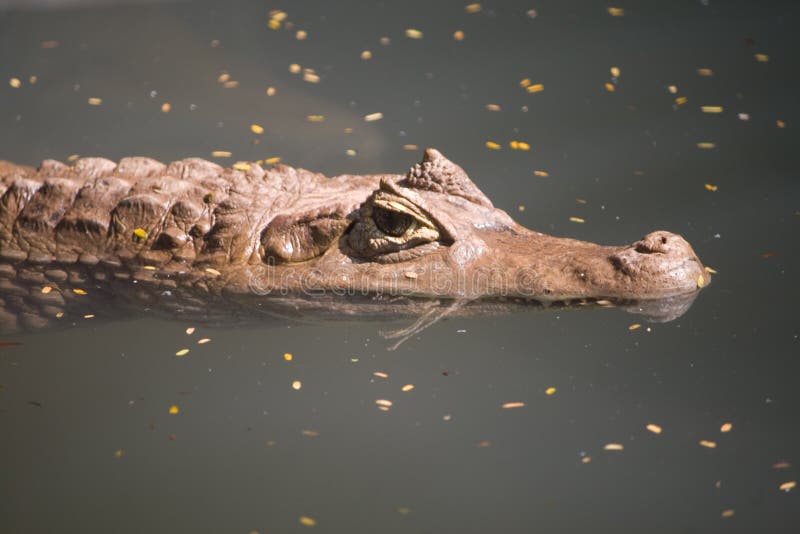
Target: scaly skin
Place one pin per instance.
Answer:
(191, 233)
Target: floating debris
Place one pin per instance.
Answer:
(708, 444)
(203, 341)
(543, 174)
(366, 55)
(315, 118)
(242, 166)
(616, 11)
(46, 290)
(613, 447)
(577, 220)
(728, 513)
(493, 107)
(190, 331)
(407, 387)
(788, 486)
(119, 453)
(373, 117)
(411, 33)
(681, 100)
(512, 405)
(615, 72)
(301, 35)
(79, 291)
(726, 427)
(271, 91)
(310, 433)
(705, 72)
(711, 187)
(16, 83)
(706, 145)
(287, 356)
(550, 391)
(610, 87)
(166, 107)
(307, 521)
(654, 428)
(141, 233)
(215, 272)
(380, 374)
(174, 410)
(711, 109)
(411, 275)
(297, 385)
(458, 35)
(634, 326)
(182, 352)
(384, 402)
(761, 58)
(473, 8)
(781, 465)
(257, 129)
(535, 88)
(492, 145)
(221, 154)
(410, 147)
(519, 145)
(95, 101)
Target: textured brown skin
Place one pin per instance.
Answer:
(214, 233)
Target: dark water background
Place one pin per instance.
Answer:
(87, 443)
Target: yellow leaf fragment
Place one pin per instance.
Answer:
(706, 145)
(726, 427)
(613, 447)
(16, 83)
(296, 385)
(315, 118)
(705, 72)
(407, 387)
(543, 174)
(141, 233)
(577, 220)
(727, 513)
(535, 88)
(182, 352)
(708, 444)
(257, 129)
(492, 145)
(174, 410)
(79, 291)
(411, 33)
(512, 405)
(287, 356)
(711, 187)
(472, 8)
(788, 486)
(655, 429)
(616, 11)
(95, 101)
(373, 117)
(221, 154)
(550, 391)
(307, 521)
(711, 109)
(634, 326)
(46, 290)
(761, 58)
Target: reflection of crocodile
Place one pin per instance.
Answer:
(195, 235)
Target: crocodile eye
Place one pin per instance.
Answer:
(390, 222)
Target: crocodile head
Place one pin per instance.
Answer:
(433, 233)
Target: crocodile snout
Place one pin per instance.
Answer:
(661, 264)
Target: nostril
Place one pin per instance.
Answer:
(663, 240)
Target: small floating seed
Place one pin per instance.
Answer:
(543, 174)
(166, 107)
(384, 402)
(410, 147)
(711, 187)
(681, 100)
(190, 331)
(288, 356)
(458, 35)
(610, 87)
(273, 160)
(634, 326)
(271, 91)
(706, 145)
(615, 72)
(705, 72)
(315, 118)
(493, 107)
(301, 35)
(294, 68)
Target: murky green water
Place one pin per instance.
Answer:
(87, 441)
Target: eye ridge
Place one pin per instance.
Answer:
(392, 223)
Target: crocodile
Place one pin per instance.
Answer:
(192, 235)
